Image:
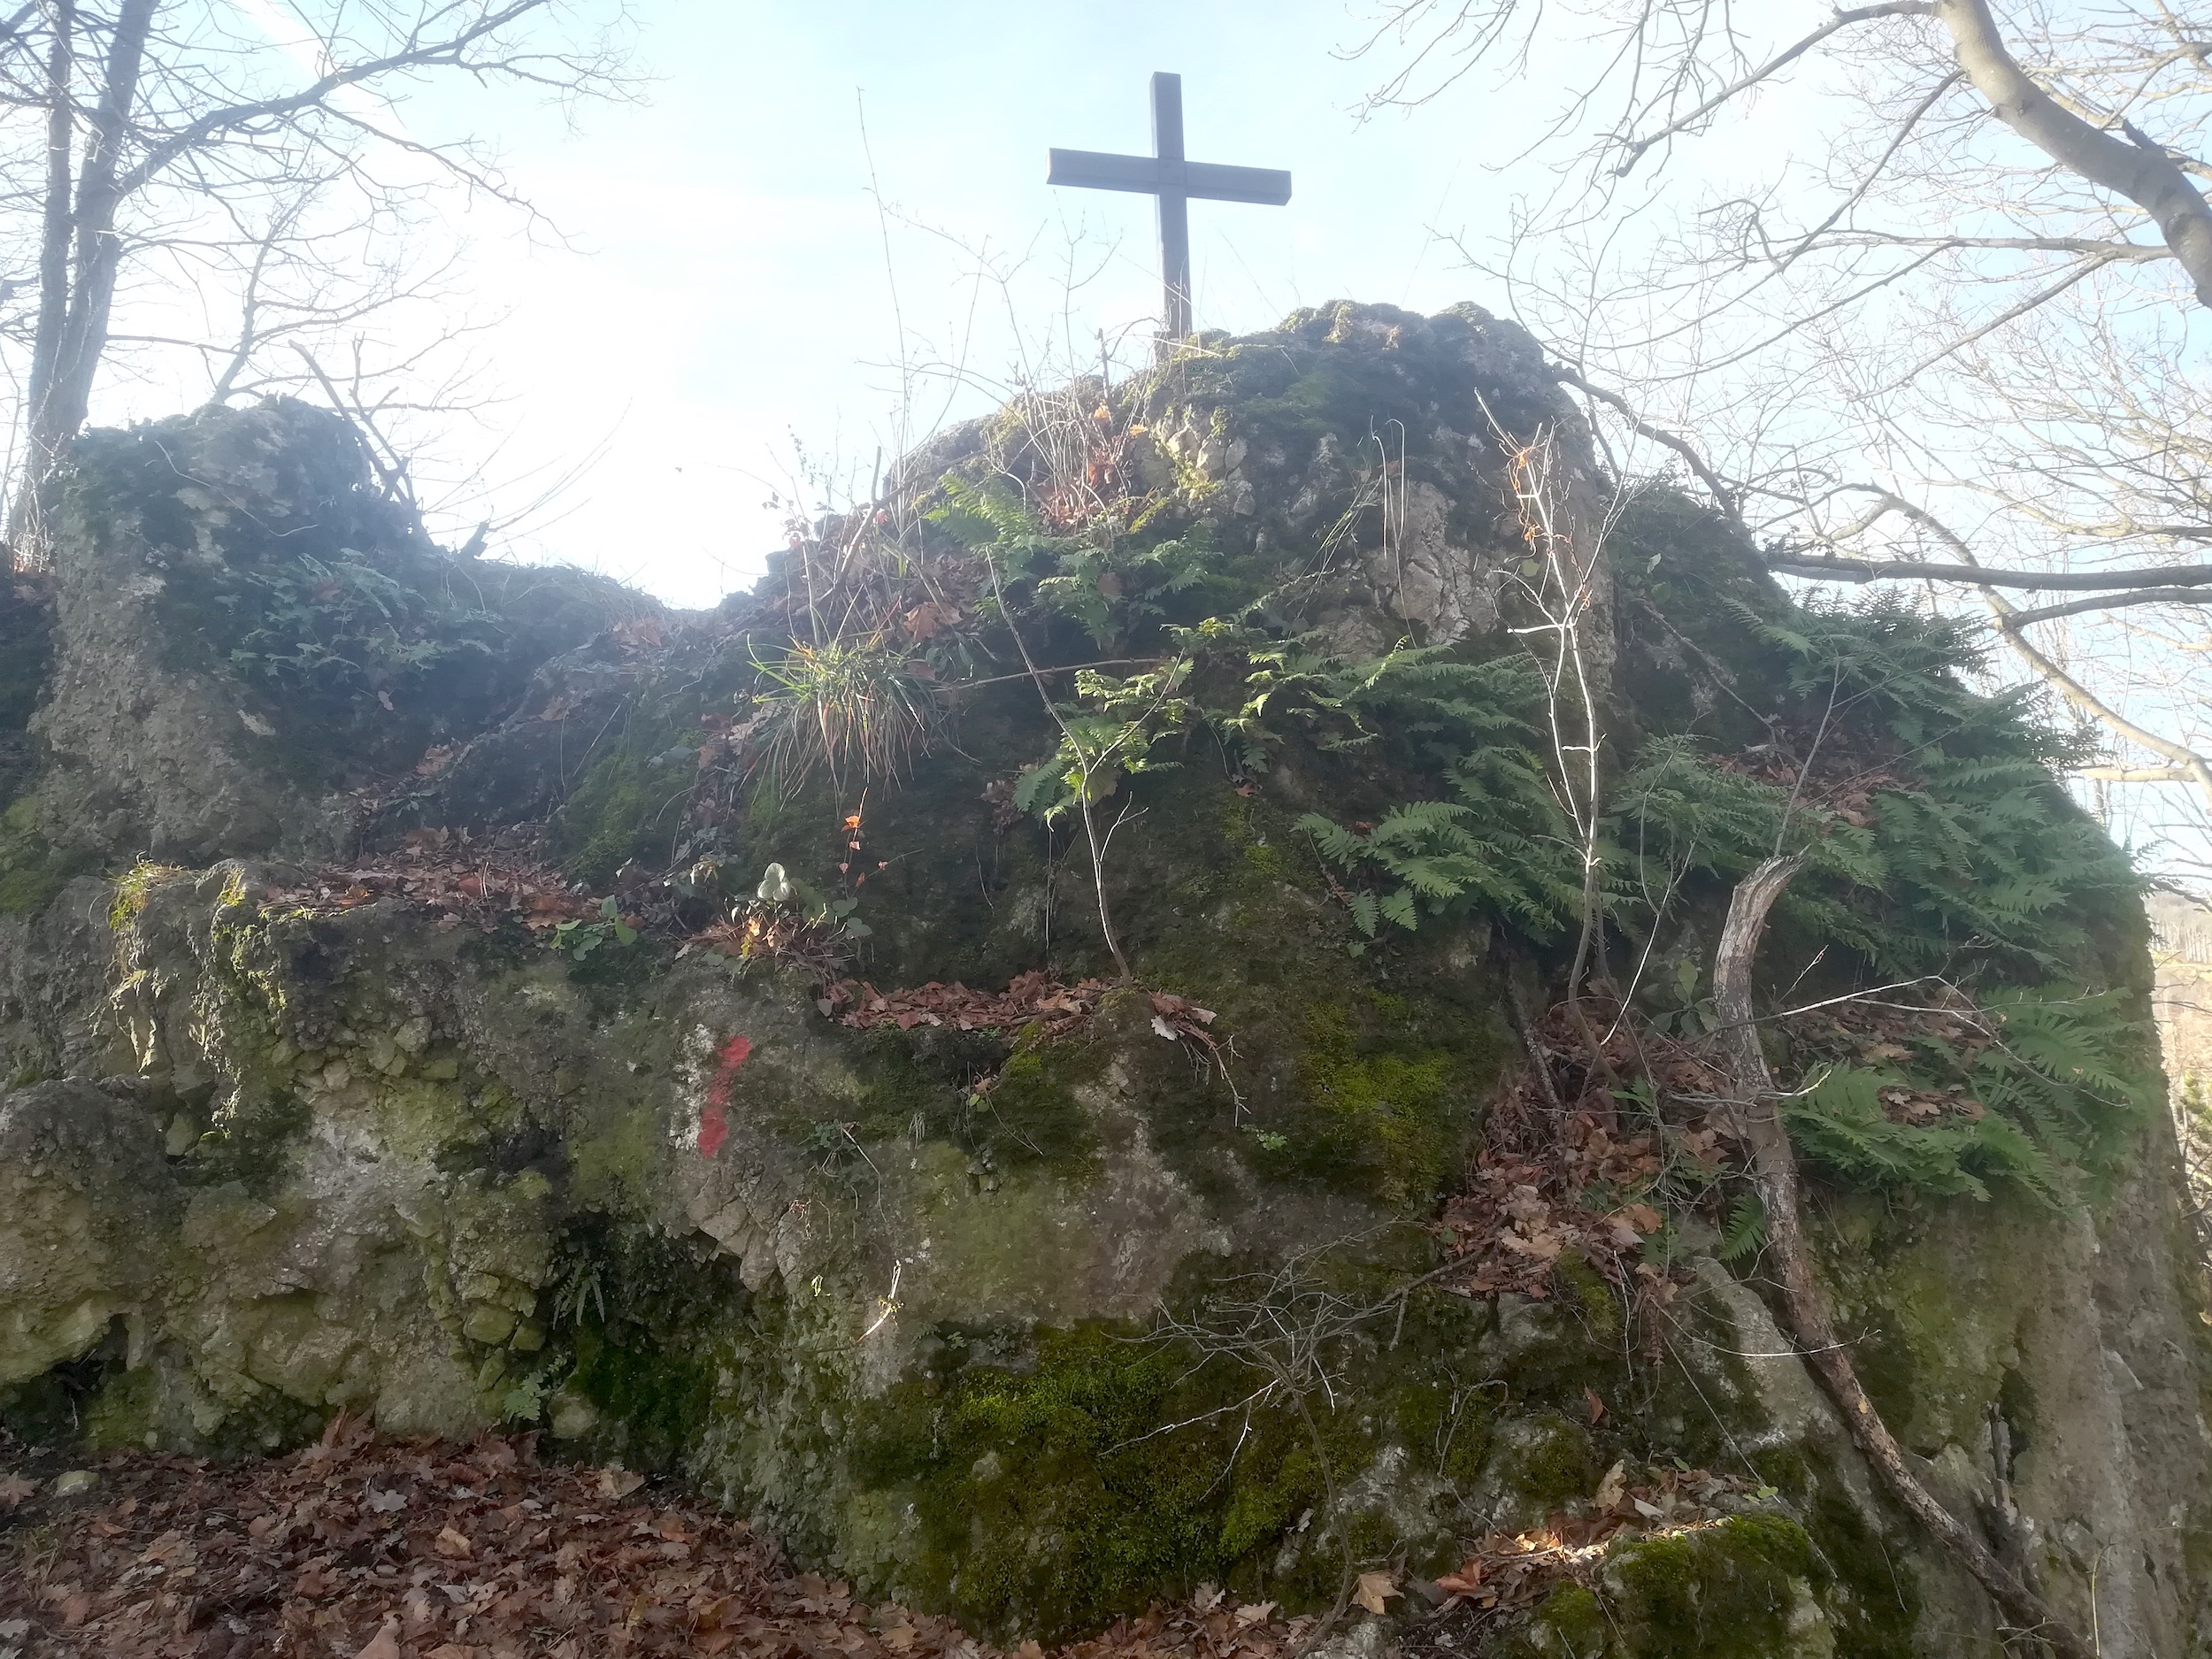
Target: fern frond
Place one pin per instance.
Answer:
(1746, 1231)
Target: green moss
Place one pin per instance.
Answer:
(1728, 1584)
(1878, 1611)
(601, 821)
(1060, 1497)
(628, 805)
(1575, 1620)
(1362, 1075)
(1751, 1587)
(1600, 1308)
(129, 1413)
(1375, 1108)
(1552, 1462)
(1451, 1417)
(1062, 1481)
(1943, 1302)
(614, 1160)
(616, 976)
(132, 887)
(1031, 1116)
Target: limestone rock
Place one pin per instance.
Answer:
(86, 1191)
(1031, 1325)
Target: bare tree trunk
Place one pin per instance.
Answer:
(98, 253)
(53, 254)
(78, 258)
(1774, 1174)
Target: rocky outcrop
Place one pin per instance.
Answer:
(1034, 1321)
(244, 627)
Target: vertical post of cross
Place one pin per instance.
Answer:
(1167, 145)
(1170, 175)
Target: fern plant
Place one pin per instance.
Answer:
(1746, 1231)
(1110, 584)
(2055, 1096)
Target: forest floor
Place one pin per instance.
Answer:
(363, 1548)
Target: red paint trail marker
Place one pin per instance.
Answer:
(714, 1126)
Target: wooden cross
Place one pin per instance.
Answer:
(1166, 175)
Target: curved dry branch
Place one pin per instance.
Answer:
(2006, 617)
(1724, 495)
(2113, 252)
(1805, 1306)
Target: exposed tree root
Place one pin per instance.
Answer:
(1805, 1307)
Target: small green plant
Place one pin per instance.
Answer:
(580, 1288)
(1746, 1231)
(1438, 857)
(782, 891)
(791, 923)
(131, 888)
(1109, 583)
(523, 1400)
(578, 940)
(1107, 734)
(342, 629)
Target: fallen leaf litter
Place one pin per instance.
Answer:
(360, 1547)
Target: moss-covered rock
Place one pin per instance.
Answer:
(1036, 1327)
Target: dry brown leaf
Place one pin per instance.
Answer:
(1374, 1591)
(1612, 1488)
(555, 1571)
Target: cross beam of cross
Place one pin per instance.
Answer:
(1173, 181)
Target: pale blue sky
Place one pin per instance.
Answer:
(726, 285)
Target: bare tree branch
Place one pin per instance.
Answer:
(1856, 570)
(1844, 18)
(176, 128)
(2142, 171)
(1724, 494)
(2113, 601)
(2117, 251)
